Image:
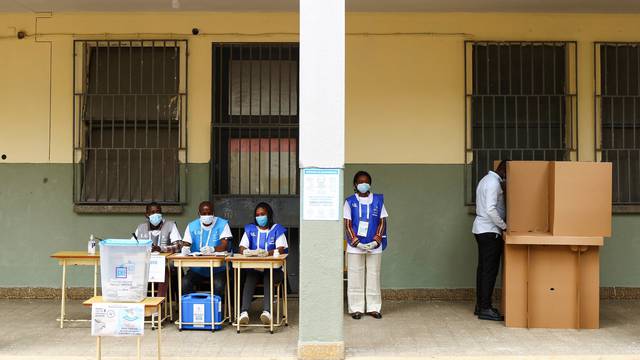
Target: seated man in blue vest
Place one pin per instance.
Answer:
(207, 234)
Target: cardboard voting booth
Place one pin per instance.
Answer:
(558, 214)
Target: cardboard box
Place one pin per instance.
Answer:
(581, 198)
(528, 196)
(551, 286)
(535, 238)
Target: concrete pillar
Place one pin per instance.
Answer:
(322, 63)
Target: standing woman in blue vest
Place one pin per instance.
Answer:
(207, 234)
(264, 234)
(365, 221)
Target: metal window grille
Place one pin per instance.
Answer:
(617, 115)
(254, 143)
(130, 121)
(520, 104)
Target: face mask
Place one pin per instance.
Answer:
(262, 220)
(155, 219)
(363, 188)
(206, 219)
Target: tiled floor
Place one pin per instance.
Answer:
(409, 329)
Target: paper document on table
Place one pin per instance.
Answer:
(157, 265)
(117, 319)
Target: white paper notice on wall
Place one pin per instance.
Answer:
(321, 194)
(117, 319)
(156, 268)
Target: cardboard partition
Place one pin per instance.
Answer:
(514, 285)
(581, 198)
(528, 196)
(551, 286)
(537, 238)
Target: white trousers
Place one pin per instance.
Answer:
(363, 268)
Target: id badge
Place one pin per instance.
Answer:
(363, 228)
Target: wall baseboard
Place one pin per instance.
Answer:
(461, 294)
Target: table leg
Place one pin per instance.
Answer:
(139, 345)
(227, 294)
(179, 295)
(271, 297)
(285, 311)
(152, 295)
(63, 293)
(159, 330)
(95, 278)
(213, 314)
(169, 294)
(238, 300)
(98, 348)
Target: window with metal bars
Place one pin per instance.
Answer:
(130, 121)
(520, 104)
(617, 112)
(254, 143)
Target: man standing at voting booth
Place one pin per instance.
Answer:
(488, 227)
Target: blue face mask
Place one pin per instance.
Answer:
(155, 219)
(363, 188)
(262, 220)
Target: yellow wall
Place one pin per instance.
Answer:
(405, 100)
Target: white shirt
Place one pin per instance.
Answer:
(281, 241)
(226, 232)
(490, 209)
(347, 216)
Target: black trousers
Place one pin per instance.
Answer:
(490, 247)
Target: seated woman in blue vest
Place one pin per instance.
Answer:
(365, 221)
(164, 235)
(267, 235)
(207, 234)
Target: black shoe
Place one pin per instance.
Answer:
(356, 315)
(490, 314)
(375, 314)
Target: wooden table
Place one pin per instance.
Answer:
(81, 258)
(151, 305)
(240, 262)
(85, 259)
(168, 310)
(211, 262)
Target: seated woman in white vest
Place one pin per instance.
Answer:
(164, 235)
(263, 234)
(365, 221)
(206, 234)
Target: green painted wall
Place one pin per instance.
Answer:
(430, 240)
(431, 245)
(37, 219)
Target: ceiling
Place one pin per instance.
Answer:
(610, 6)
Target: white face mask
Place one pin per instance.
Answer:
(206, 220)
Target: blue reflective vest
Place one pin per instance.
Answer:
(264, 240)
(199, 234)
(369, 213)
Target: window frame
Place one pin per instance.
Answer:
(79, 91)
(571, 103)
(617, 207)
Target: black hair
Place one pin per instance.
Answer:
(267, 207)
(502, 165)
(206, 202)
(361, 173)
(152, 204)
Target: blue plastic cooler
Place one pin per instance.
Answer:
(196, 308)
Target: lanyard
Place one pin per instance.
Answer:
(202, 235)
(363, 211)
(265, 237)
